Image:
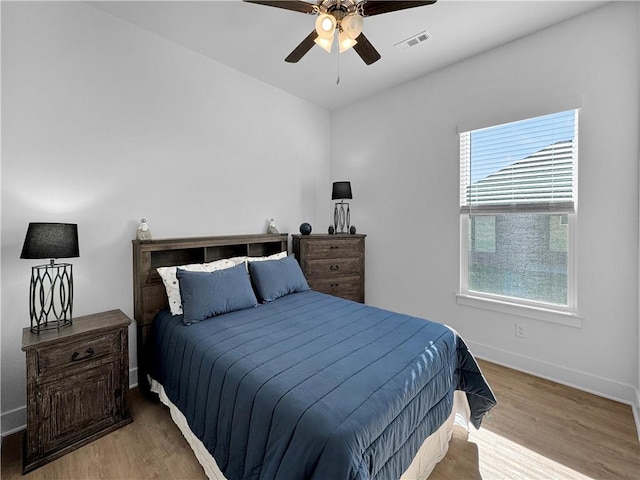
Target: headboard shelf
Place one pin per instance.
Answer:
(162, 258)
(149, 295)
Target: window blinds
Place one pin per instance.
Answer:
(525, 166)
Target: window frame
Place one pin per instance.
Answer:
(539, 310)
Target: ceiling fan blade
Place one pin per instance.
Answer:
(301, 50)
(366, 51)
(376, 7)
(295, 5)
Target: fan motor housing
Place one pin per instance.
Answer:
(338, 8)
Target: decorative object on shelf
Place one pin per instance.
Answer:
(143, 233)
(272, 227)
(341, 214)
(352, 230)
(51, 288)
(305, 228)
(332, 230)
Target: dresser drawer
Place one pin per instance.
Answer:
(331, 268)
(345, 287)
(76, 353)
(343, 247)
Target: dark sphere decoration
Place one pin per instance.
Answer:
(331, 230)
(352, 230)
(305, 228)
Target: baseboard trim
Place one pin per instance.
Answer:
(15, 420)
(600, 386)
(133, 377)
(636, 412)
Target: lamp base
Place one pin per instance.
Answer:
(51, 296)
(341, 217)
(51, 325)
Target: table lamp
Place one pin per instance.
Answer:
(341, 215)
(51, 288)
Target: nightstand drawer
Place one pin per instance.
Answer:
(76, 353)
(333, 267)
(344, 247)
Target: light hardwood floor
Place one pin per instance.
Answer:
(538, 430)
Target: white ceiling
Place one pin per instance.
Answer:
(255, 39)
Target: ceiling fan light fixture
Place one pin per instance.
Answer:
(344, 15)
(345, 42)
(325, 26)
(325, 43)
(352, 25)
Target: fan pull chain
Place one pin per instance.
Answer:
(338, 63)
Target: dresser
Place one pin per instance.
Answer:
(333, 264)
(77, 385)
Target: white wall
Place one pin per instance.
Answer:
(636, 410)
(104, 123)
(404, 173)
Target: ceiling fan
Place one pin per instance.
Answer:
(345, 16)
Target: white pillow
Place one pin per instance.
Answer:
(172, 286)
(247, 260)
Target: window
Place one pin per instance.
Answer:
(517, 207)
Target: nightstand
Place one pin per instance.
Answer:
(77, 385)
(332, 264)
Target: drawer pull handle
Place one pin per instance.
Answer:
(334, 247)
(76, 356)
(334, 267)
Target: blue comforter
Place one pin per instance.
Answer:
(311, 386)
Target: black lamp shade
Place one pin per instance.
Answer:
(341, 190)
(51, 240)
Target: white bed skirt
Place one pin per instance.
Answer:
(431, 452)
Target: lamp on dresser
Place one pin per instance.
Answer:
(341, 215)
(51, 288)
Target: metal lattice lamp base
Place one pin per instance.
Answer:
(341, 217)
(51, 296)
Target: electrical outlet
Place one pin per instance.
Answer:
(520, 330)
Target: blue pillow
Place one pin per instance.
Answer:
(277, 278)
(207, 294)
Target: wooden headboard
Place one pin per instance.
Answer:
(149, 294)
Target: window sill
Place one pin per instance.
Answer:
(559, 316)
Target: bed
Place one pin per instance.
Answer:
(284, 382)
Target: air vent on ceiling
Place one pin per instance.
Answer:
(416, 39)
